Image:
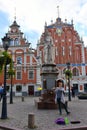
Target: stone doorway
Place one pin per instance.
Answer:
(31, 90)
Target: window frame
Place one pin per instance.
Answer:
(18, 90)
(32, 77)
(20, 75)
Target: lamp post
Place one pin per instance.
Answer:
(11, 75)
(6, 41)
(69, 94)
(11, 91)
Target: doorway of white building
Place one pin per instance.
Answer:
(85, 87)
(31, 90)
(75, 87)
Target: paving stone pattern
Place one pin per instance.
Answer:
(44, 119)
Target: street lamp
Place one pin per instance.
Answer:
(69, 94)
(6, 42)
(11, 92)
(11, 75)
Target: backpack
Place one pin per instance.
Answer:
(1, 90)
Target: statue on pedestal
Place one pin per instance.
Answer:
(48, 75)
(48, 49)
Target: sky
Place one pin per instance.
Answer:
(31, 15)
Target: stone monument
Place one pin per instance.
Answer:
(49, 70)
(49, 76)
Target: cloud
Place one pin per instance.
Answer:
(85, 40)
(32, 14)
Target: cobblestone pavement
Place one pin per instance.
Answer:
(44, 119)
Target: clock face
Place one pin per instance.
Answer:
(59, 30)
(14, 30)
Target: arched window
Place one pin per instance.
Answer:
(75, 72)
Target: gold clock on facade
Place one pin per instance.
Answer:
(59, 31)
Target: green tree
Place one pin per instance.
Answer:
(5, 59)
(68, 74)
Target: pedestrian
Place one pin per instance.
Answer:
(73, 92)
(60, 96)
(1, 92)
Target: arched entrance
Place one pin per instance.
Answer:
(75, 87)
(85, 87)
(31, 89)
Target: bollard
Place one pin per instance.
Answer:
(31, 120)
(22, 98)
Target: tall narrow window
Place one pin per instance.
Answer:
(56, 51)
(70, 52)
(19, 75)
(63, 51)
(77, 55)
(31, 74)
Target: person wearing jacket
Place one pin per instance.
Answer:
(1, 92)
(60, 97)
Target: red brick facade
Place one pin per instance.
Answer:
(69, 47)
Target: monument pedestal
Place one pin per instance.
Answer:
(49, 76)
(47, 100)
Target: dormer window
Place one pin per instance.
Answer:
(16, 42)
(12, 42)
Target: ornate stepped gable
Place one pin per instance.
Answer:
(65, 39)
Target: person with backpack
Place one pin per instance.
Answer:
(1, 92)
(60, 96)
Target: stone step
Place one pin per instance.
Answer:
(5, 127)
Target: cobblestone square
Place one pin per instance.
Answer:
(44, 119)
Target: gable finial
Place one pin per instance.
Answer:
(58, 10)
(15, 14)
